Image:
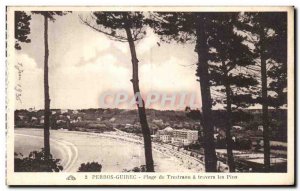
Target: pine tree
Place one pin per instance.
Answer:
(267, 32)
(277, 71)
(48, 15)
(189, 27)
(127, 27)
(228, 56)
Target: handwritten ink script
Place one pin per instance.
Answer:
(18, 87)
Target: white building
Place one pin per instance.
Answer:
(33, 119)
(177, 136)
(42, 120)
(184, 136)
(165, 138)
(63, 111)
(236, 127)
(165, 135)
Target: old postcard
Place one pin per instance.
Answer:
(150, 96)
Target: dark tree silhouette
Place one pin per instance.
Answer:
(48, 15)
(185, 27)
(267, 31)
(37, 161)
(227, 56)
(22, 28)
(90, 167)
(127, 27)
(278, 85)
(277, 71)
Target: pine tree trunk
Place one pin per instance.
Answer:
(202, 72)
(141, 109)
(46, 93)
(229, 142)
(265, 117)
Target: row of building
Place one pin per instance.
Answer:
(177, 136)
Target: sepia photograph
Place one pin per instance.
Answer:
(150, 96)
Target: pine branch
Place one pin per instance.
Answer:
(113, 36)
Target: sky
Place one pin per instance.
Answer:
(84, 64)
